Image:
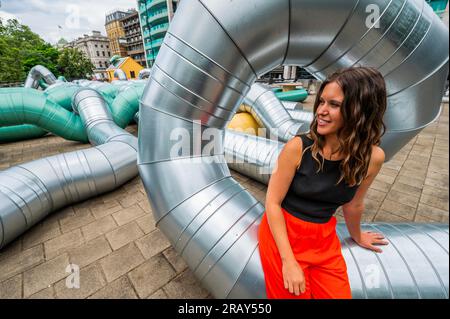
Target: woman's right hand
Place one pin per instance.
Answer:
(293, 277)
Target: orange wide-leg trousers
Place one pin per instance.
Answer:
(318, 251)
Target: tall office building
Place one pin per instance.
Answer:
(133, 36)
(116, 32)
(155, 16)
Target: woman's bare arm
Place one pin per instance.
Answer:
(355, 208)
(288, 161)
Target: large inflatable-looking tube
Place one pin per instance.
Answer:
(30, 191)
(302, 116)
(250, 155)
(20, 132)
(126, 104)
(61, 93)
(29, 106)
(144, 74)
(208, 217)
(108, 90)
(271, 113)
(51, 111)
(293, 96)
(120, 75)
(37, 73)
(288, 105)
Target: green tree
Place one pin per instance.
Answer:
(21, 49)
(43, 54)
(73, 64)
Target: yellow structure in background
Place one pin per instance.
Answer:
(244, 122)
(128, 65)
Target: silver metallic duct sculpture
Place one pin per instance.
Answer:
(251, 155)
(120, 75)
(270, 113)
(256, 156)
(209, 218)
(288, 105)
(302, 116)
(30, 191)
(144, 74)
(82, 82)
(39, 72)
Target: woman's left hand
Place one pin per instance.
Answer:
(369, 239)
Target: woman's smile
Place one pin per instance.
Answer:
(322, 122)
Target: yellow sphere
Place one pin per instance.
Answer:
(244, 122)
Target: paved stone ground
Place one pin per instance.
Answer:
(121, 254)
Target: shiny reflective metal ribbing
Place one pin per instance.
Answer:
(202, 74)
(288, 105)
(250, 155)
(120, 75)
(144, 74)
(30, 191)
(39, 72)
(270, 113)
(256, 156)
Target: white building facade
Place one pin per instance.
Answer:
(96, 48)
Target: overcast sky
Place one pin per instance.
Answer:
(75, 17)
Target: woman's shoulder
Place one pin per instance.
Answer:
(377, 158)
(294, 145)
(378, 154)
(292, 151)
(300, 140)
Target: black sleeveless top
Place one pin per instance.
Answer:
(312, 196)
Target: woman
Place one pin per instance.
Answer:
(333, 165)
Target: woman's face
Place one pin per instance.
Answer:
(329, 116)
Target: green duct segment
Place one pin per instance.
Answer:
(59, 96)
(42, 84)
(51, 111)
(108, 91)
(293, 96)
(62, 94)
(29, 106)
(126, 104)
(15, 133)
(276, 90)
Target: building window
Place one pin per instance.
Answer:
(101, 46)
(96, 45)
(98, 53)
(109, 54)
(101, 64)
(103, 52)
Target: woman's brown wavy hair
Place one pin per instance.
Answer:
(362, 110)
